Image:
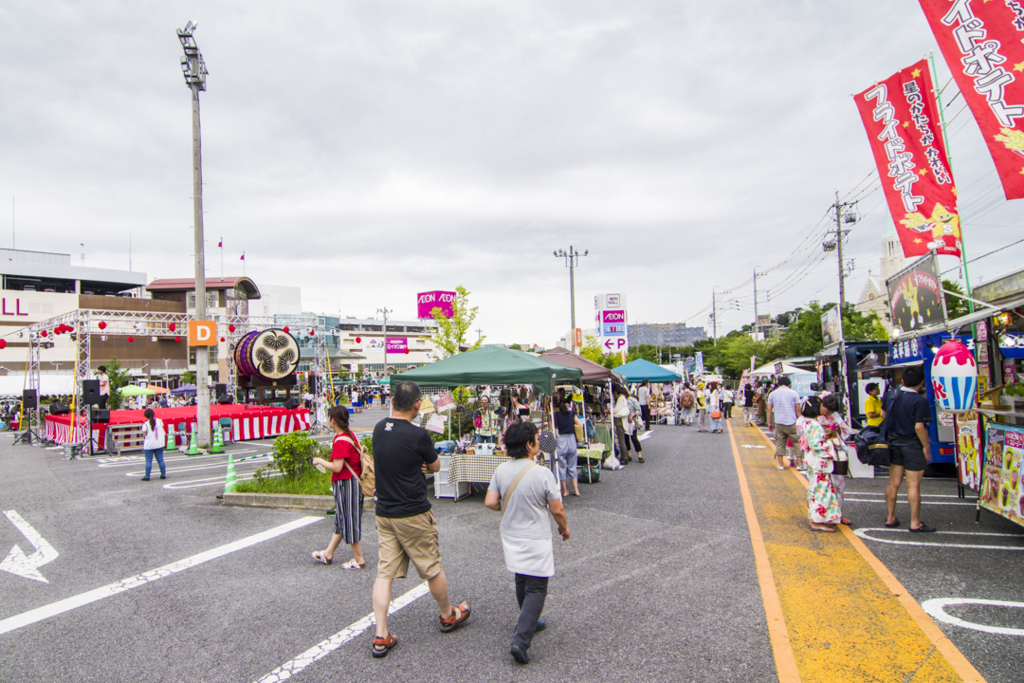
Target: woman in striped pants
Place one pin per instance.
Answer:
(346, 468)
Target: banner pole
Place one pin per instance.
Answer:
(949, 156)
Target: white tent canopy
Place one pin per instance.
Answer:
(787, 369)
(49, 385)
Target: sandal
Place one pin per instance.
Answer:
(459, 615)
(352, 564)
(382, 646)
(845, 521)
(319, 556)
(823, 529)
(640, 459)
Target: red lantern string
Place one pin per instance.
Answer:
(43, 333)
(3, 343)
(131, 339)
(177, 339)
(171, 327)
(286, 329)
(102, 325)
(222, 338)
(231, 328)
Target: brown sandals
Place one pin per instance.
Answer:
(458, 617)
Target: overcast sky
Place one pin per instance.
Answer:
(367, 151)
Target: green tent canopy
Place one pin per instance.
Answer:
(640, 369)
(491, 365)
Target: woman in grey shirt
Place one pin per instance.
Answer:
(526, 494)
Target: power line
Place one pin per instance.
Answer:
(978, 258)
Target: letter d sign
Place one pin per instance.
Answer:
(202, 333)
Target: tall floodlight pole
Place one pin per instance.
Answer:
(194, 69)
(385, 311)
(572, 259)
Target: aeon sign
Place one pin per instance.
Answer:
(613, 316)
(428, 301)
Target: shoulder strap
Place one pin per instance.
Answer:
(515, 483)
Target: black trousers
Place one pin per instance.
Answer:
(531, 591)
(727, 410)
(645, 413)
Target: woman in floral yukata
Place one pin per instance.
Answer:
(837, 430)
(822, 500)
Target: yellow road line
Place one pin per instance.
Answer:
(925, 622)
(782, 648)
(910, 658)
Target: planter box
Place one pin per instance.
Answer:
(287, 501)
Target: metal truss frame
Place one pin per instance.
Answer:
(85, 322)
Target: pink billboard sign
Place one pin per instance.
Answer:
(397, 345)
(613, 316)
(428, 301)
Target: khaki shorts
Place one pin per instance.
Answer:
(401, 539)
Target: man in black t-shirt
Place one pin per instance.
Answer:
(907, 414)
(406, 527)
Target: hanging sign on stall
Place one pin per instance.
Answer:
(968, 450)
(831, 326)
(1001, 486)
(915, 296)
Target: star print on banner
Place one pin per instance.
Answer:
(979, 42)
(912, 160)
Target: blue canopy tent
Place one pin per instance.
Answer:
(640, 369)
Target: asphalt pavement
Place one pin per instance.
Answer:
(157, 582)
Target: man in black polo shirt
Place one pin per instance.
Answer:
(406, 527)
(907, 414)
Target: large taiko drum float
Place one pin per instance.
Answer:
(267, 359)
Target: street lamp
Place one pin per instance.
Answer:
(194, 69)
(385, 311)
(572, 259)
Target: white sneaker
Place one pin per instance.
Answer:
(780, 467)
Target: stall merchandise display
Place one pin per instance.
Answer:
(1001, 486)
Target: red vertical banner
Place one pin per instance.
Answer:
(902, 122)
(981, 41)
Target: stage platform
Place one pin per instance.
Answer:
(248, 422)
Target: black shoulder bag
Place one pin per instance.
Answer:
(872, 447)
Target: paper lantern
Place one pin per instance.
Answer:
(43, 333)
(177, 339)
(286, 329)
(359, 340)
(102, 325)
(131, 339)
(312, 333)
(3, 343)
(406, 351)
(171, 326)
(954, 377)
(222, 338)
(231, 328)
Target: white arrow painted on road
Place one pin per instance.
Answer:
(17, 562)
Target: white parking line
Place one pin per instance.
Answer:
(852, 499)
(129, 460)
(200, 468)
(68, 604)
(324, 648)
(937, 609)
(212, 481)
(864, 533)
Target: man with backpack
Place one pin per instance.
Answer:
(906, 416)
(686, 403)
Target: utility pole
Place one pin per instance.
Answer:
(385, 311)
(843, 214)
(194, 69)
(572, 259)
(714, 318)
(757, 327)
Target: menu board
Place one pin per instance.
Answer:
(1001, 488)
(968, 450)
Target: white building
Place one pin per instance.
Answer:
(38, 285)
(875, 297)
(411, 343)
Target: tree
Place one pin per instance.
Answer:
(450, 335)
(955, 305)
(188, 377)
(803, 337)
(119, 378)
(516, 347)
